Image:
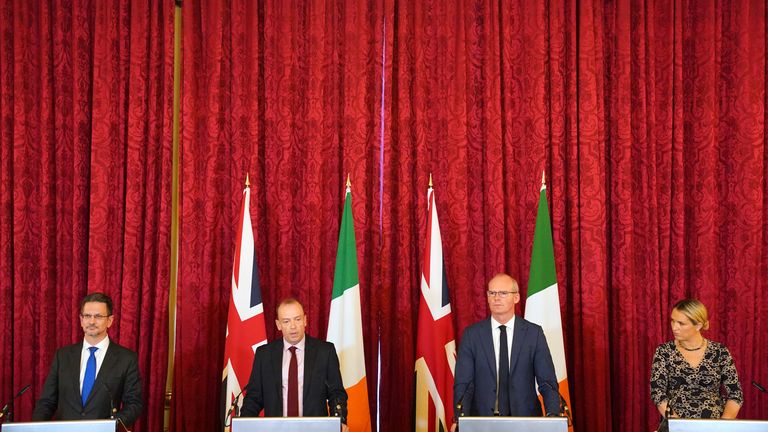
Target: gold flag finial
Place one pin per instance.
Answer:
(247, 180)
(430, 179)
(543, 178)
(349, 183)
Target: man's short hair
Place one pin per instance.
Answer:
(97, 297)
(288, 301)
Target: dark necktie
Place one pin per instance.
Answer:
(90, 374)
(503, 372)
(293, 384)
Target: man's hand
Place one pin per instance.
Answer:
(344, 428)
(454, 427)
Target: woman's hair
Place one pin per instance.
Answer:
(695, 311)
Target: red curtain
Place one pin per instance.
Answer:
(85, 139)
(647, 117)
(286, 92)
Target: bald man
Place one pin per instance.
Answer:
(481, 384)
(312, 387)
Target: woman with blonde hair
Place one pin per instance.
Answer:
(691, 376)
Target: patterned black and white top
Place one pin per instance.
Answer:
(699, 392)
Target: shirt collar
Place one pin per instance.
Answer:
(102, 346)
(510, 324)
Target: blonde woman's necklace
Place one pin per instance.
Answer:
(703, 340)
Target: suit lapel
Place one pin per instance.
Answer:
(310, 353)
(486, 342)
(518, 339)
(277, 370)
(73, 360)
(110, 359)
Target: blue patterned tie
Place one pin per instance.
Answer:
(90, 374)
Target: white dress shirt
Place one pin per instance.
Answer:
(99, 354)
(497, 339)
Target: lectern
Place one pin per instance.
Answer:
(513, 424)
(63, 426)
(715, 425)
(286, 424)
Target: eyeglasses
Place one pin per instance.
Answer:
(97, 317)
(501, 294)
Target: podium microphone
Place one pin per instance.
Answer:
(236, 405)
(112, 409)
(6, 411)
(759, 387)
(664, 424)
(496, 403)
(335, 406)
(234, 409)
(564, 410)
(469, 389)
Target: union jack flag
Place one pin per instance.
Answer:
(435, 341)
(246, 328)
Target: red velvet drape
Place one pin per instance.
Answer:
(287, 92)
(648, 118)
(85, 139)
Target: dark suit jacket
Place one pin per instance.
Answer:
(322, 381)
(118, 375)
(530, 360)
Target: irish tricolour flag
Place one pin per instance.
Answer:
(345, 327)
(543, 304)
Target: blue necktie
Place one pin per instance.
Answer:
(90, 374)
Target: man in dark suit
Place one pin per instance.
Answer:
(504, 338)
(95, 378)
(294, 365)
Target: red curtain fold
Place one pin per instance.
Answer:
(85, 133)
(287, 93)
(647, 117)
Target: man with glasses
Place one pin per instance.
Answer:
(95, 378)
(501, 359)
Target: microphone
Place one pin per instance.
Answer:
(6, 411)
(469, 389)
(236, 405)
(664, 424)
(112, 409)
(335, 404)
(759, 387)
(564, 410)
(496, 403)
(234, 410)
